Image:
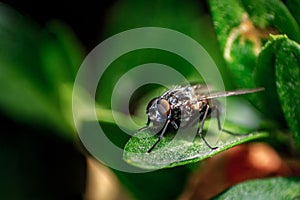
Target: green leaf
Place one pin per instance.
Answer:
(61, 53)
(271, 188)
(265, 77)
(22, 81)
(230, 18)
(294, 7)
(243, 26)
(273, 13)
(288, 84)
(37, 67)
(242, 32)
(280, 61)
(183, 149)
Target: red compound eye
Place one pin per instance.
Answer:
(163, 107)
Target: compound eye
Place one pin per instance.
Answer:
(163, 107)
(150, 104)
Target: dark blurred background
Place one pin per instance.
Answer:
(86, 18)
(35, 162)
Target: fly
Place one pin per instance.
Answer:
(186, 106)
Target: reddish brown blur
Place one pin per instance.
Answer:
(244, 162)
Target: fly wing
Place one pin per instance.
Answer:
(213, 95)
(201, 89)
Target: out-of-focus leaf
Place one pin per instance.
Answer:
(243, 26)
(271, 188)
(239, 52)
(61, 53)
(34, 66)
(273, 14)
(294, 8)
(279, 61)
(26, 94)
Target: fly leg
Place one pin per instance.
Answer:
(160, 136)
(200, 129)
(224, 130)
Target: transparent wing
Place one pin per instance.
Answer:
(201, 89)
(213, 95)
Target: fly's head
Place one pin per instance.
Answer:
(158, 111)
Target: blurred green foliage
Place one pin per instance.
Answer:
(257, 59)
(37, 70)
(38, 67)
